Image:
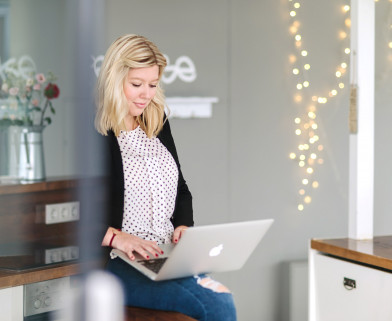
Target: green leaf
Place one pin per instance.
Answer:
(48, 120)
(36, 109)
(52, 109)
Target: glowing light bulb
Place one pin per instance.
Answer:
(320, 147)
(322, 100)
(315, 184)
(293, 29)
(297, 120)
(297, 98)
(301, 191)
(334, 92)
(301, 164)
(293, 13)
(343, 65)
(301, 147)
(292, 156)
(347, 51)
(342, 35)
(299, 86)
(347, 22)
(295, 71)
(341, 85)
(306, 84)
(306, 146)
(292, 59)
(302, 157)
(298, 132)
(346, 8)
(307, 199)
(338, 74)
(298, 37)
(309, 170)
(390, 44)
(312, 156)
(314, 126)
(306, 66)
(311, 115)
(296, 5)
(305, 181)
(320, 161)
(304, 53)
(300, 207)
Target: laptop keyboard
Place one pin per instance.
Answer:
(154, 264)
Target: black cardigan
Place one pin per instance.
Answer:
(183, 211)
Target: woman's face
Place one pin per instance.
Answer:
(140, 88)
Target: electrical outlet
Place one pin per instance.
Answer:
(61, 254)
(62, 212)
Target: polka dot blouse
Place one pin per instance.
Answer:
(150, 179)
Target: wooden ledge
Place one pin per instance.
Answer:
(140, 314)
(376, 252)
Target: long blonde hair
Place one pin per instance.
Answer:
(128, 51)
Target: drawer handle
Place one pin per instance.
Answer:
(349, 284)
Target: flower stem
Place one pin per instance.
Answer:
(43, 112)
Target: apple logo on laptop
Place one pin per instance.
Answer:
(215, 251)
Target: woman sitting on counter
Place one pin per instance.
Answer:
(151, 202)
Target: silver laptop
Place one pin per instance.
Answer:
(203, 249)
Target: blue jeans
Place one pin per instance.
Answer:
(183, 295)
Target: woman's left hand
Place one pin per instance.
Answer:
(178, 232)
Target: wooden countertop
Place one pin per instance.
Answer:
(10, 278)
(376, 252)
(49, 184)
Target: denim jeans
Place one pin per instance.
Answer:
(183, 295)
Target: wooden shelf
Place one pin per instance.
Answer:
(376, 252)
(50, 184)
(10, 278)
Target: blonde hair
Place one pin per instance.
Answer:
(128, 51)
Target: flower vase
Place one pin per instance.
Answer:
(31, 154)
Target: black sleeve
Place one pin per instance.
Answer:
(183, 211)
(116, 182)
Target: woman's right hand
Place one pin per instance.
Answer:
(129, 243)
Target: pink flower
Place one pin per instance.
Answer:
(29, 82)
(37, 87)
(40, 78)
(14, 91)
(35, 102)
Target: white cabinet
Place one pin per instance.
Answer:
(366, 296)
(11, 304)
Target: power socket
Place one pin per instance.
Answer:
(62, 212)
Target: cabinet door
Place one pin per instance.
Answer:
(11, 304)
(366, 295)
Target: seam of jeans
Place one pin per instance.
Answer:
(205, 312)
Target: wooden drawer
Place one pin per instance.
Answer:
(368, 300)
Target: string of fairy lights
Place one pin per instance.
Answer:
(308, 153)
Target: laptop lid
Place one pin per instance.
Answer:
(209, 248)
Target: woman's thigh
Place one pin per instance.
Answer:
(198, 297)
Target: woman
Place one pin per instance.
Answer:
(151, 203)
